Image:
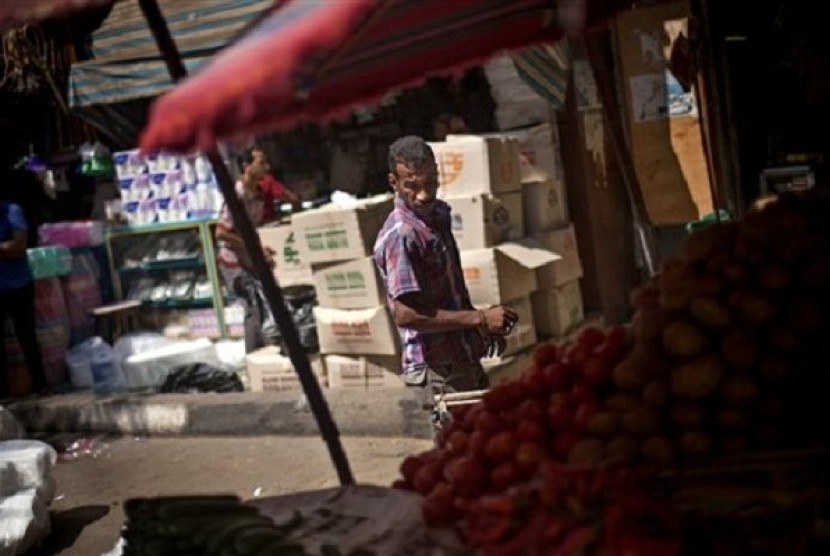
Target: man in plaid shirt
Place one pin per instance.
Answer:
(442, 335)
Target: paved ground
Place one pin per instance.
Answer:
(87, 512)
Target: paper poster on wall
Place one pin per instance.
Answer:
(656, 96)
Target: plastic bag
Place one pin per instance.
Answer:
(26, 464)
(91, 365)
(200, 377)
(25, 522)
(135, 342)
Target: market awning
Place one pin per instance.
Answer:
(126, 63)
(316, 60)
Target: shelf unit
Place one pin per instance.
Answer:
(127, 262)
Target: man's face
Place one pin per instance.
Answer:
(417, 185)
(258, 156)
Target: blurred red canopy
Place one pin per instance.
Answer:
(18, 12)
(317, 59)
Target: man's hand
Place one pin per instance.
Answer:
(495, 344)
(500, 320)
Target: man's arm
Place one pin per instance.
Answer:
(413, 311)
(15, 247)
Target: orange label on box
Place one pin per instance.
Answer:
(472, 273)
(507, 170)
(451, 166)
(351, 329)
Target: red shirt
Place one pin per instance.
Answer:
(272, 190)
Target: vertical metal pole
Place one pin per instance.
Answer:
(273, 293)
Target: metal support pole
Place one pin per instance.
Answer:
(272, 291)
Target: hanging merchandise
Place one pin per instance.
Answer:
(96, 160)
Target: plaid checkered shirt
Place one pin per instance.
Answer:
(414, 257)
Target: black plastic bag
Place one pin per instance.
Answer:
(200, 377)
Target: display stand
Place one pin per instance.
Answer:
(137, 258)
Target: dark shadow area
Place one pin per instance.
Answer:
(66, 528)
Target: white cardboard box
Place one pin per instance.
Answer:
(540, 153)
(498, 274)
(336, 233)
(472, 164)
(557, 310)
(363, 371)
(544, 207)
(480, 220)
(356, 331)
(270, 371)
(568, 267)
(289, 269)
(350, 285)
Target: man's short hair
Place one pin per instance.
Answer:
(410, 150)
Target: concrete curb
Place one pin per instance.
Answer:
(379, 412)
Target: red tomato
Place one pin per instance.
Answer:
(472, 414)
(561, 413)
(401, 484)
(504, 475)
(438, 508)
(584, 413)
(427, 477)
(501, 397)
(501, 446)
(466, 475)
(531, 409)
(597, 371)
(410, 465)
(488, 422)
(590, 337)
(582, 393)
(478, 443)
(529, 455)
(563, 442)
(457, 443)
(545, 354)
(575, 355)
(529, 430)
(534, 381)
(558, 377)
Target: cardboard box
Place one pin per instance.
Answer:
(336, 233)
(289, 269)
(270, 371)
(568, 266)
(363, 371)
(540, 153)
(351, 285)
(480, 220)
(498, 274)
(356, 331)
(472, 164)
(557, 310)
(543, 206)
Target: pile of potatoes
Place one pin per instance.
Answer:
(730, 340)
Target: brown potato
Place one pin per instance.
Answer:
(774, 369)
(688, 416)
(698, 379)
(710, 312)
(590, 451)
(695, 444)
(733, 445)
(658, 450)
(649, 357)
(736, 273)
(804, 315)
(648, 324)
(621, 402)
(732, 420)
(629, 377)
(641, 422)
(682, 339)
(645, 297)
(757, 309)
(740, 391)
(604, 423)
(657, 394)
(622, 448)
(739, 348)
(783, 340)
(702, 245)
(774, 278)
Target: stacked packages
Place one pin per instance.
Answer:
(166, 188)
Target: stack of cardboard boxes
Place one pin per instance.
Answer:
(480, 178)
(557, 303)
(357, 336)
